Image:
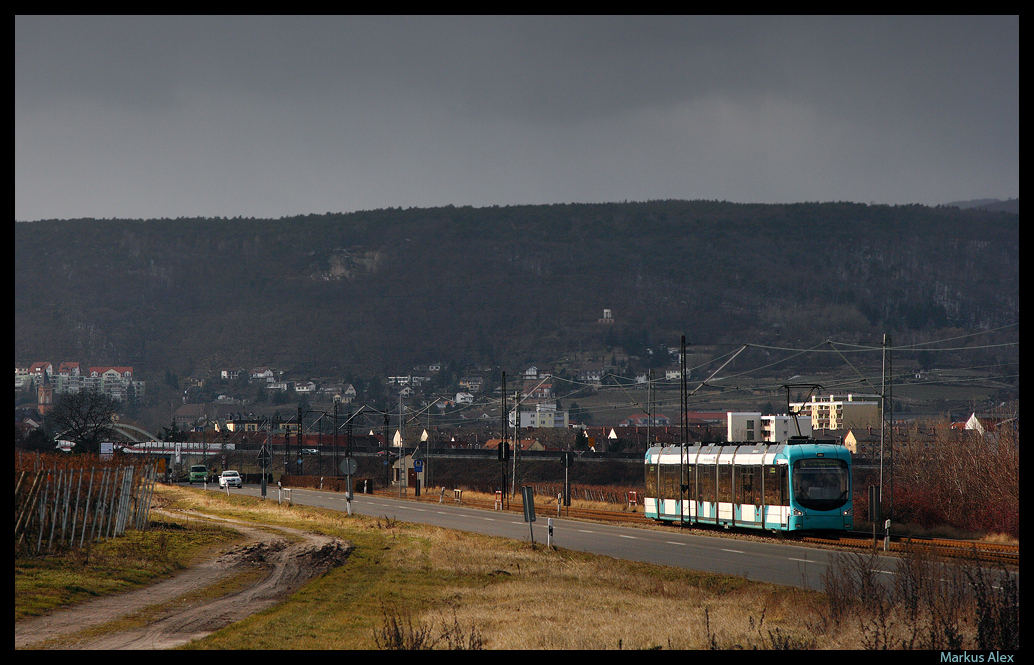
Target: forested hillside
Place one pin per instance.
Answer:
(378, 291)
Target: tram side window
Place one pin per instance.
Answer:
(705, 482)
(776, 485)
(725, 482)
(689, 479)
(745, 485)
(670, 478)
(651, 480)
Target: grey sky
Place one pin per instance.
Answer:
(182, 116)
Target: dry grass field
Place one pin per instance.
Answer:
(414, 586)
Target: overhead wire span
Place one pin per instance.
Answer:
(622, 383)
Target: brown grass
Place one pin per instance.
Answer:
(417, 586)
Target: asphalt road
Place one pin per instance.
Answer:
(756, 559)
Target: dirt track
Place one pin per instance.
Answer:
(290, 566)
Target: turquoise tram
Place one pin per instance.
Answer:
(801, 485)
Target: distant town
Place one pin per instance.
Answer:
(253, 396)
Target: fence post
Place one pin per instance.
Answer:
(146, 493)
(64, 513)
(86, 508)
(109, 502)
(98, 511)
(125, 494)
(43, 513)
(57, 502)
(75, 513)
(25, 516)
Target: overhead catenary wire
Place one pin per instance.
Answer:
(613, 383)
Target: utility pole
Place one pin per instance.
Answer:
(265, 455)
(336, 470)
(516, 438)
(887, 416)
(430, 446)
(348, 435)
(403, 478)
(503, 439)
(300, 443)
(649, 410)
(683, 396)
(683, 428)
(387, 450)
(890, 399)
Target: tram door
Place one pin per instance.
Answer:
(667, 505)
(750, 497)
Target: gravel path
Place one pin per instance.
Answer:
(290, 566)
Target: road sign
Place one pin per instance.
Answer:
(528, 494)
(348, 466)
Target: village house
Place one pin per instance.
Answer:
(116, 382)
(644, 420)
(593, 376)
(22, 378)
(524, 444)
(41, 371)
(262, 374)
(472, 383)
(539, 391)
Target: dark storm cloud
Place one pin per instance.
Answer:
(266, 116)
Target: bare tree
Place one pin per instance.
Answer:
(86, 418)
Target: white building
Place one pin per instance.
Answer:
(22, 378)
(544, 415)
(114, 382)
(743, 426)
(752, 426)
(779, 429)
(841, 411)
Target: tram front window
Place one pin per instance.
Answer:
(821, 484)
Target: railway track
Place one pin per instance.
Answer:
(541, 510)
(983, 552)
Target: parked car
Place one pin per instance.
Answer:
(197, 474)
(230, 479)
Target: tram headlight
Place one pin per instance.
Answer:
(849, 512)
